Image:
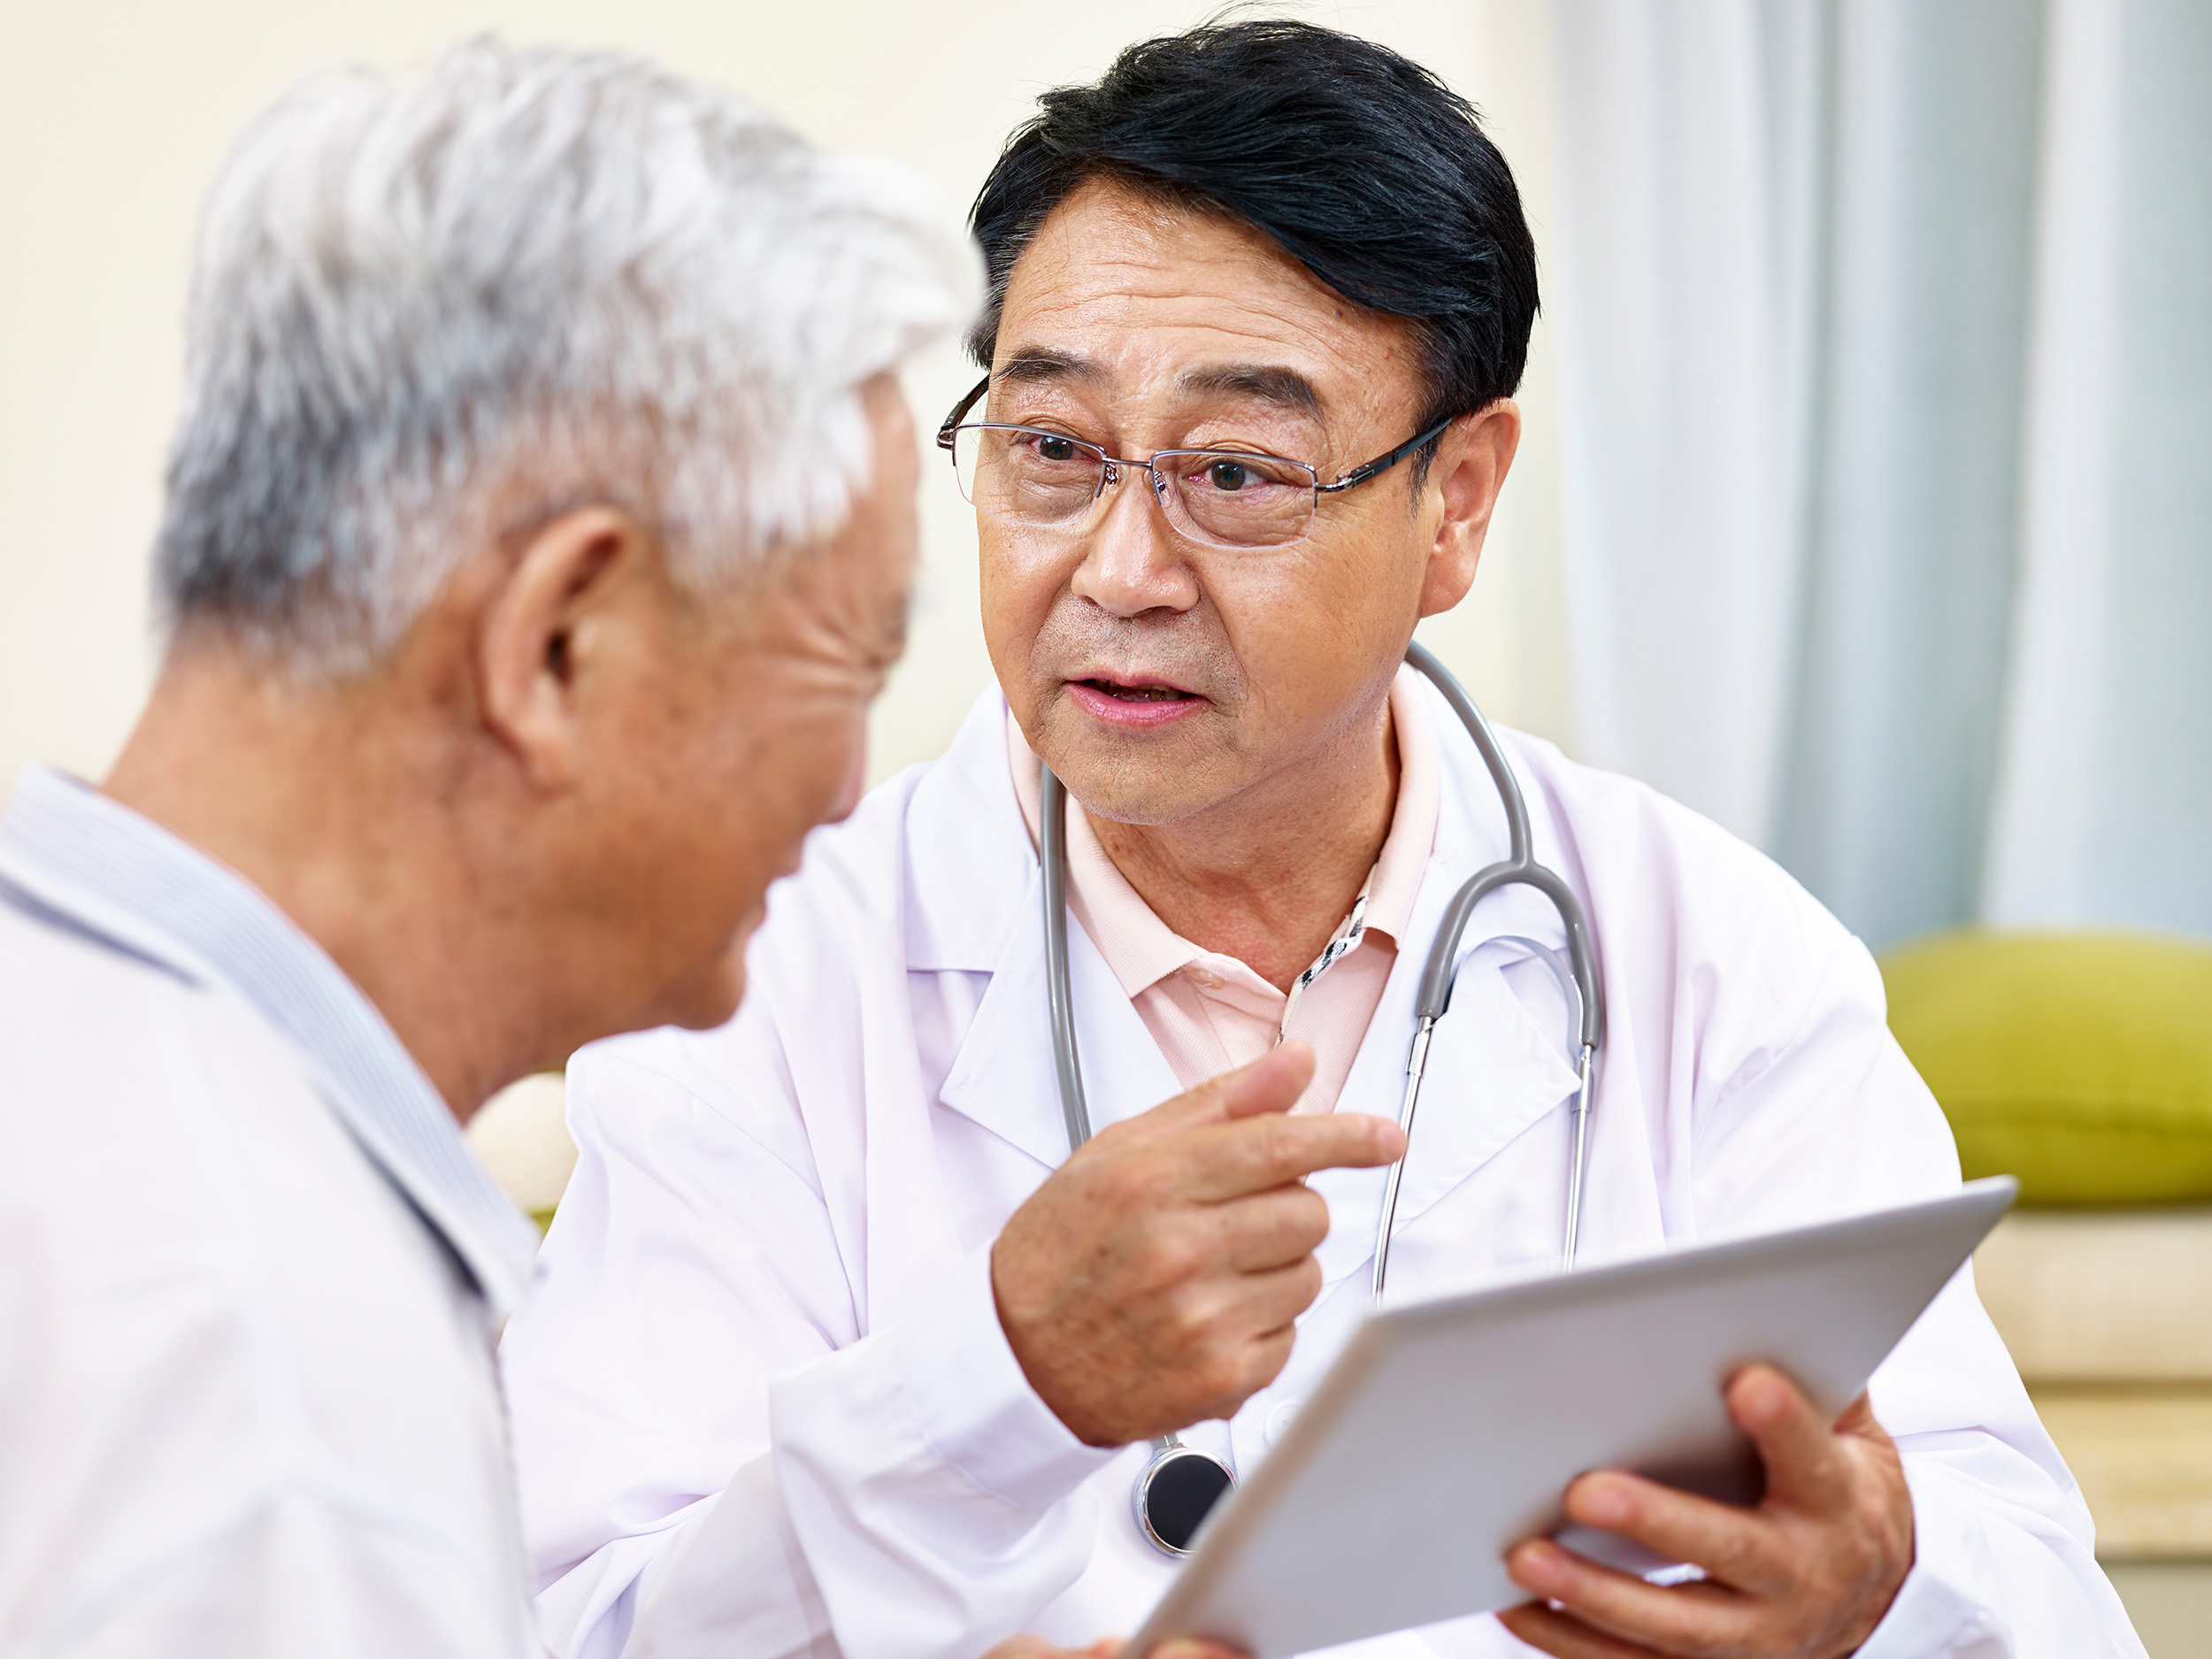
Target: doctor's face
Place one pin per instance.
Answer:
(1159, 676)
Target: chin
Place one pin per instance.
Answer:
(713, 999)
(1136, 784)
(1139, 790)
(1141, 778)
(713, 1005)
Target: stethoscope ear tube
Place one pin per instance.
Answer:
(1520, 867)
(1052, 834)
(1180, 1484)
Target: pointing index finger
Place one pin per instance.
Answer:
(1272, 1083)
(1253, 1155)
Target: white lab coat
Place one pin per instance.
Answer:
(762, 1403)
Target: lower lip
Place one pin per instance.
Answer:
(1138, 716)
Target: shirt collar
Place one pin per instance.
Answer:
(1143, 950)
(1396, 879)
(115, 874)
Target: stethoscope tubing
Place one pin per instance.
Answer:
(1052, 834)
(1518, 868)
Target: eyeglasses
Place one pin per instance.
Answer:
(1042, 479)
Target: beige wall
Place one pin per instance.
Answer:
(115, 113)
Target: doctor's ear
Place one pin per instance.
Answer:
(1472, 459)
(547, 628)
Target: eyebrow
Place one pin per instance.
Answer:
(1031, 364)
(1268, 382)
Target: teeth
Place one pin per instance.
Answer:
(1143, 694)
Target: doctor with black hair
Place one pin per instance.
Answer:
(843, 1346)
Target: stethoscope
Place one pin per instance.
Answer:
(1181, 1483)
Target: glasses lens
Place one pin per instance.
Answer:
(1025, 476)
(1238, 500)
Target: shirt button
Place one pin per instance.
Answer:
(1205, 979)
(1279, 1418)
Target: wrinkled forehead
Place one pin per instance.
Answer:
(1121, 293)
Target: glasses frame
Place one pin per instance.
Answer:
(1111, 465)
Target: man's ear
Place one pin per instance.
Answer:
(541, 626)
(1472, 462)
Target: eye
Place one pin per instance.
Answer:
(1052, 449)
(1227, 475)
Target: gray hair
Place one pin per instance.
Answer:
(429, 310)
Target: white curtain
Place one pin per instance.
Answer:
(1886, 339)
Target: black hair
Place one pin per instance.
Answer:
(1361, 166)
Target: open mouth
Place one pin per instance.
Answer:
(1139, 705)
(1153, 693)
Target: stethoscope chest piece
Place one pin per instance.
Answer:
(1177, 1491)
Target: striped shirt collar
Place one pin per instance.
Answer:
(111, 872)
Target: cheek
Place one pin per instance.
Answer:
(1021, 579)
(1306, 628)
(807, 771)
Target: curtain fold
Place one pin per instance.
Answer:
(1887, 388)
(2104, 806)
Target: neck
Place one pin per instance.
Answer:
(1268, 875)
(328, 805)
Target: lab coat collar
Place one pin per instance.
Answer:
(108, 872)
(968, 852)
(973, 894)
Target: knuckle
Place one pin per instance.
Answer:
(1193, 1328)
(1261, 1144)
(1274, 1353)
(1171, 1256)
(1134, 1177)
(1215, 1376)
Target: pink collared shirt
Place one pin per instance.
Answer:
(1210, 1013)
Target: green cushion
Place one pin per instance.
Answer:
(2081, 1063)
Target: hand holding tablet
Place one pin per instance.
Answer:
(1447, 1431)
(1812, 1568)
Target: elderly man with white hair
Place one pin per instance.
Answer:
(539, 527)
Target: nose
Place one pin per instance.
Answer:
(1131, 561)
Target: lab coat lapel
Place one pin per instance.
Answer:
(1004, 1077)
(953, 885)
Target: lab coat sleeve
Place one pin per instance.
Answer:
(714, 1458)
(1821, 1114)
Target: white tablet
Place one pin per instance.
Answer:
(1446, 1431)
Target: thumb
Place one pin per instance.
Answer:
(1858, 1420)
(1272, 1083)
